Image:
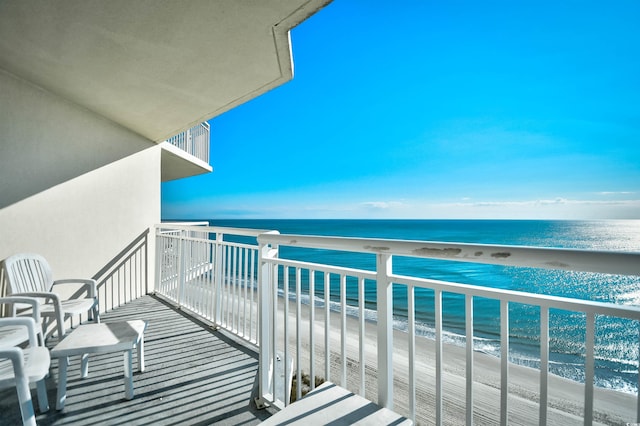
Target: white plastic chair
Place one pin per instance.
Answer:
(16, 335)
(20, 367)
(30, 275)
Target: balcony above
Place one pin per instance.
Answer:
(186, 154)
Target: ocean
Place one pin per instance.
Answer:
(617, 352)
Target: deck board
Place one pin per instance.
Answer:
(194, 375)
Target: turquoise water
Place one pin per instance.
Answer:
(616, 340)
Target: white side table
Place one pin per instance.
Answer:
(100, 338)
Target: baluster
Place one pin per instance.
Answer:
(438, 349)
(544, 363)
(343, 329)
(469, 365)
(504, 362)
(361, 335)
(411, 334)
(327, 325)
(312, 320)
(589, 364)
(298, 333)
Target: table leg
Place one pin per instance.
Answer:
(84, 366)
(62, 382)
(128, 374)
(141, 354)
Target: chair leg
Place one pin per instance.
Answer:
(96, 313)
(84, 366)
(46, 322)
(43, 401)
(60, 324)
(24, 398)
(141, 354)
(40, 336)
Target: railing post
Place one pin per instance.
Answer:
(217, 277)
(159, 261)
(265, 286)
(385, 330)
(181, 269)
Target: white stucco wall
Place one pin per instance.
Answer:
(74, 186)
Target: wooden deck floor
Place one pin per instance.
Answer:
(193, 376)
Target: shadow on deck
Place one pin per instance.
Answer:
(193, 376)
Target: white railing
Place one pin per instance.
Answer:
(194, 141)
(213, 278)
(345, 355)
(298, 312)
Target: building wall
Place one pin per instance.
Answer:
(74, 186)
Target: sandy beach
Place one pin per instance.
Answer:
(565, 397)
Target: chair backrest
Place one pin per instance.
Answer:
(26, 273)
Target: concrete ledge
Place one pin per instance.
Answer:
(331, 404)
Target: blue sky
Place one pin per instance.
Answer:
(437, 109)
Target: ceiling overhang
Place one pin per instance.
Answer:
(154, 67)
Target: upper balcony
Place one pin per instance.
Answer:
(187, 153)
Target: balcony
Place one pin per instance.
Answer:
(194, 375)
(187, 153)
(242, 281)
(233, 305)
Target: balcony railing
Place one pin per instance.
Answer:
(279, 304)
(216, 279)
(194, 141)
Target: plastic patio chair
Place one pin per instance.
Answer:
(30, 275)
(15, 335)
(19, 367)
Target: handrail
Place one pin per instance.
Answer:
(245, 232)
(621, 263)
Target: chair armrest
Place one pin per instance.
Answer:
(43, 294)
(57, 306)
(23, 321)
(11, 352)
(17, 359)
(90, 284)
(46, 296)
(35, 305)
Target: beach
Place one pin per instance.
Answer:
(565, 397)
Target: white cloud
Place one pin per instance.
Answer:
(382, 205)
(466, 208)
(616, 193)
(556, 208)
